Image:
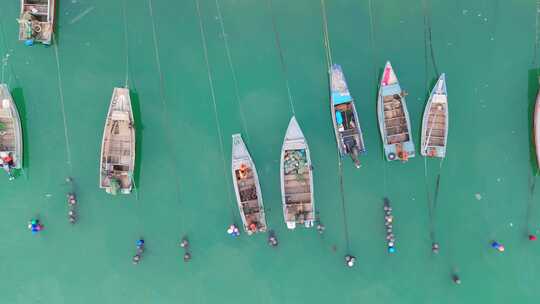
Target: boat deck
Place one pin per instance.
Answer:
(395, 122)
(298, 197)
(435, 131)
(7, 131)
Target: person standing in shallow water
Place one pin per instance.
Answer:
(272, 239)
(456, 279)
(184, 243)
(350, 260)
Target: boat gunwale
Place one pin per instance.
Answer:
(427, 111)
(17, 128)
(132, 136)
(338, 135)
(239, 160)
(288, 146)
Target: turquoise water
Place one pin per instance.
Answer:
(486, 48)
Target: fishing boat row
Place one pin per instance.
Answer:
(296, 182)
(393, 117)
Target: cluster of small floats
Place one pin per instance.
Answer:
(117, 161)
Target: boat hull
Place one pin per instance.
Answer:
(435, 122)
(247, 188)
(36, 21)
(296, 179)
(393, 116)
(117, 162)
(347, 130)
(11, 136)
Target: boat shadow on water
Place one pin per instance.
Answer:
(136, 108)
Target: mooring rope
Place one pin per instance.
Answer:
(281, 56)
(165, 111)
(327, 47)
(214, 104)
(126, 41)
(537, 39)
(233, 70)
(62, 105)
(343, 203)
(428, 33)
(376, 78)
(329, 62)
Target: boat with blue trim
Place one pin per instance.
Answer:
(435, 122)
(394, 122)
(350, 140)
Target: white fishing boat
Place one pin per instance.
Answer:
(247, 187)
(435, 122)
(394, 122)
(36, 21)
(118, 146)
(296, 178)
(11, 142)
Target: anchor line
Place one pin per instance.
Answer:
(530, 202)
(329, 62)
(214, 104)
(428, 42)
(343, 204)
(537, 39)
(376, 77)
(126, 42)
(63, 107)
(233, 70)
(281, 56)
(165, 111)
(326, 38)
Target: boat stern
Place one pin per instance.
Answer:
(435, 152)
(401, 151)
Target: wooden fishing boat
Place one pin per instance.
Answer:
(296, 178)
(344, 117)
(435, 122)
(36, 21)
(11, 143)
(247, 188)
(536, 127)
(394, 122)
(118, 145)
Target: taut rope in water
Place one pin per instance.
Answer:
(427, 34)
(126, 41)
(213, 98)
(166, 121)
(62, 106)
(328, 53)
(281, 57)
(233, 70)
(537, 39)
(327, 46)
(376, 77)
(429, 52)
